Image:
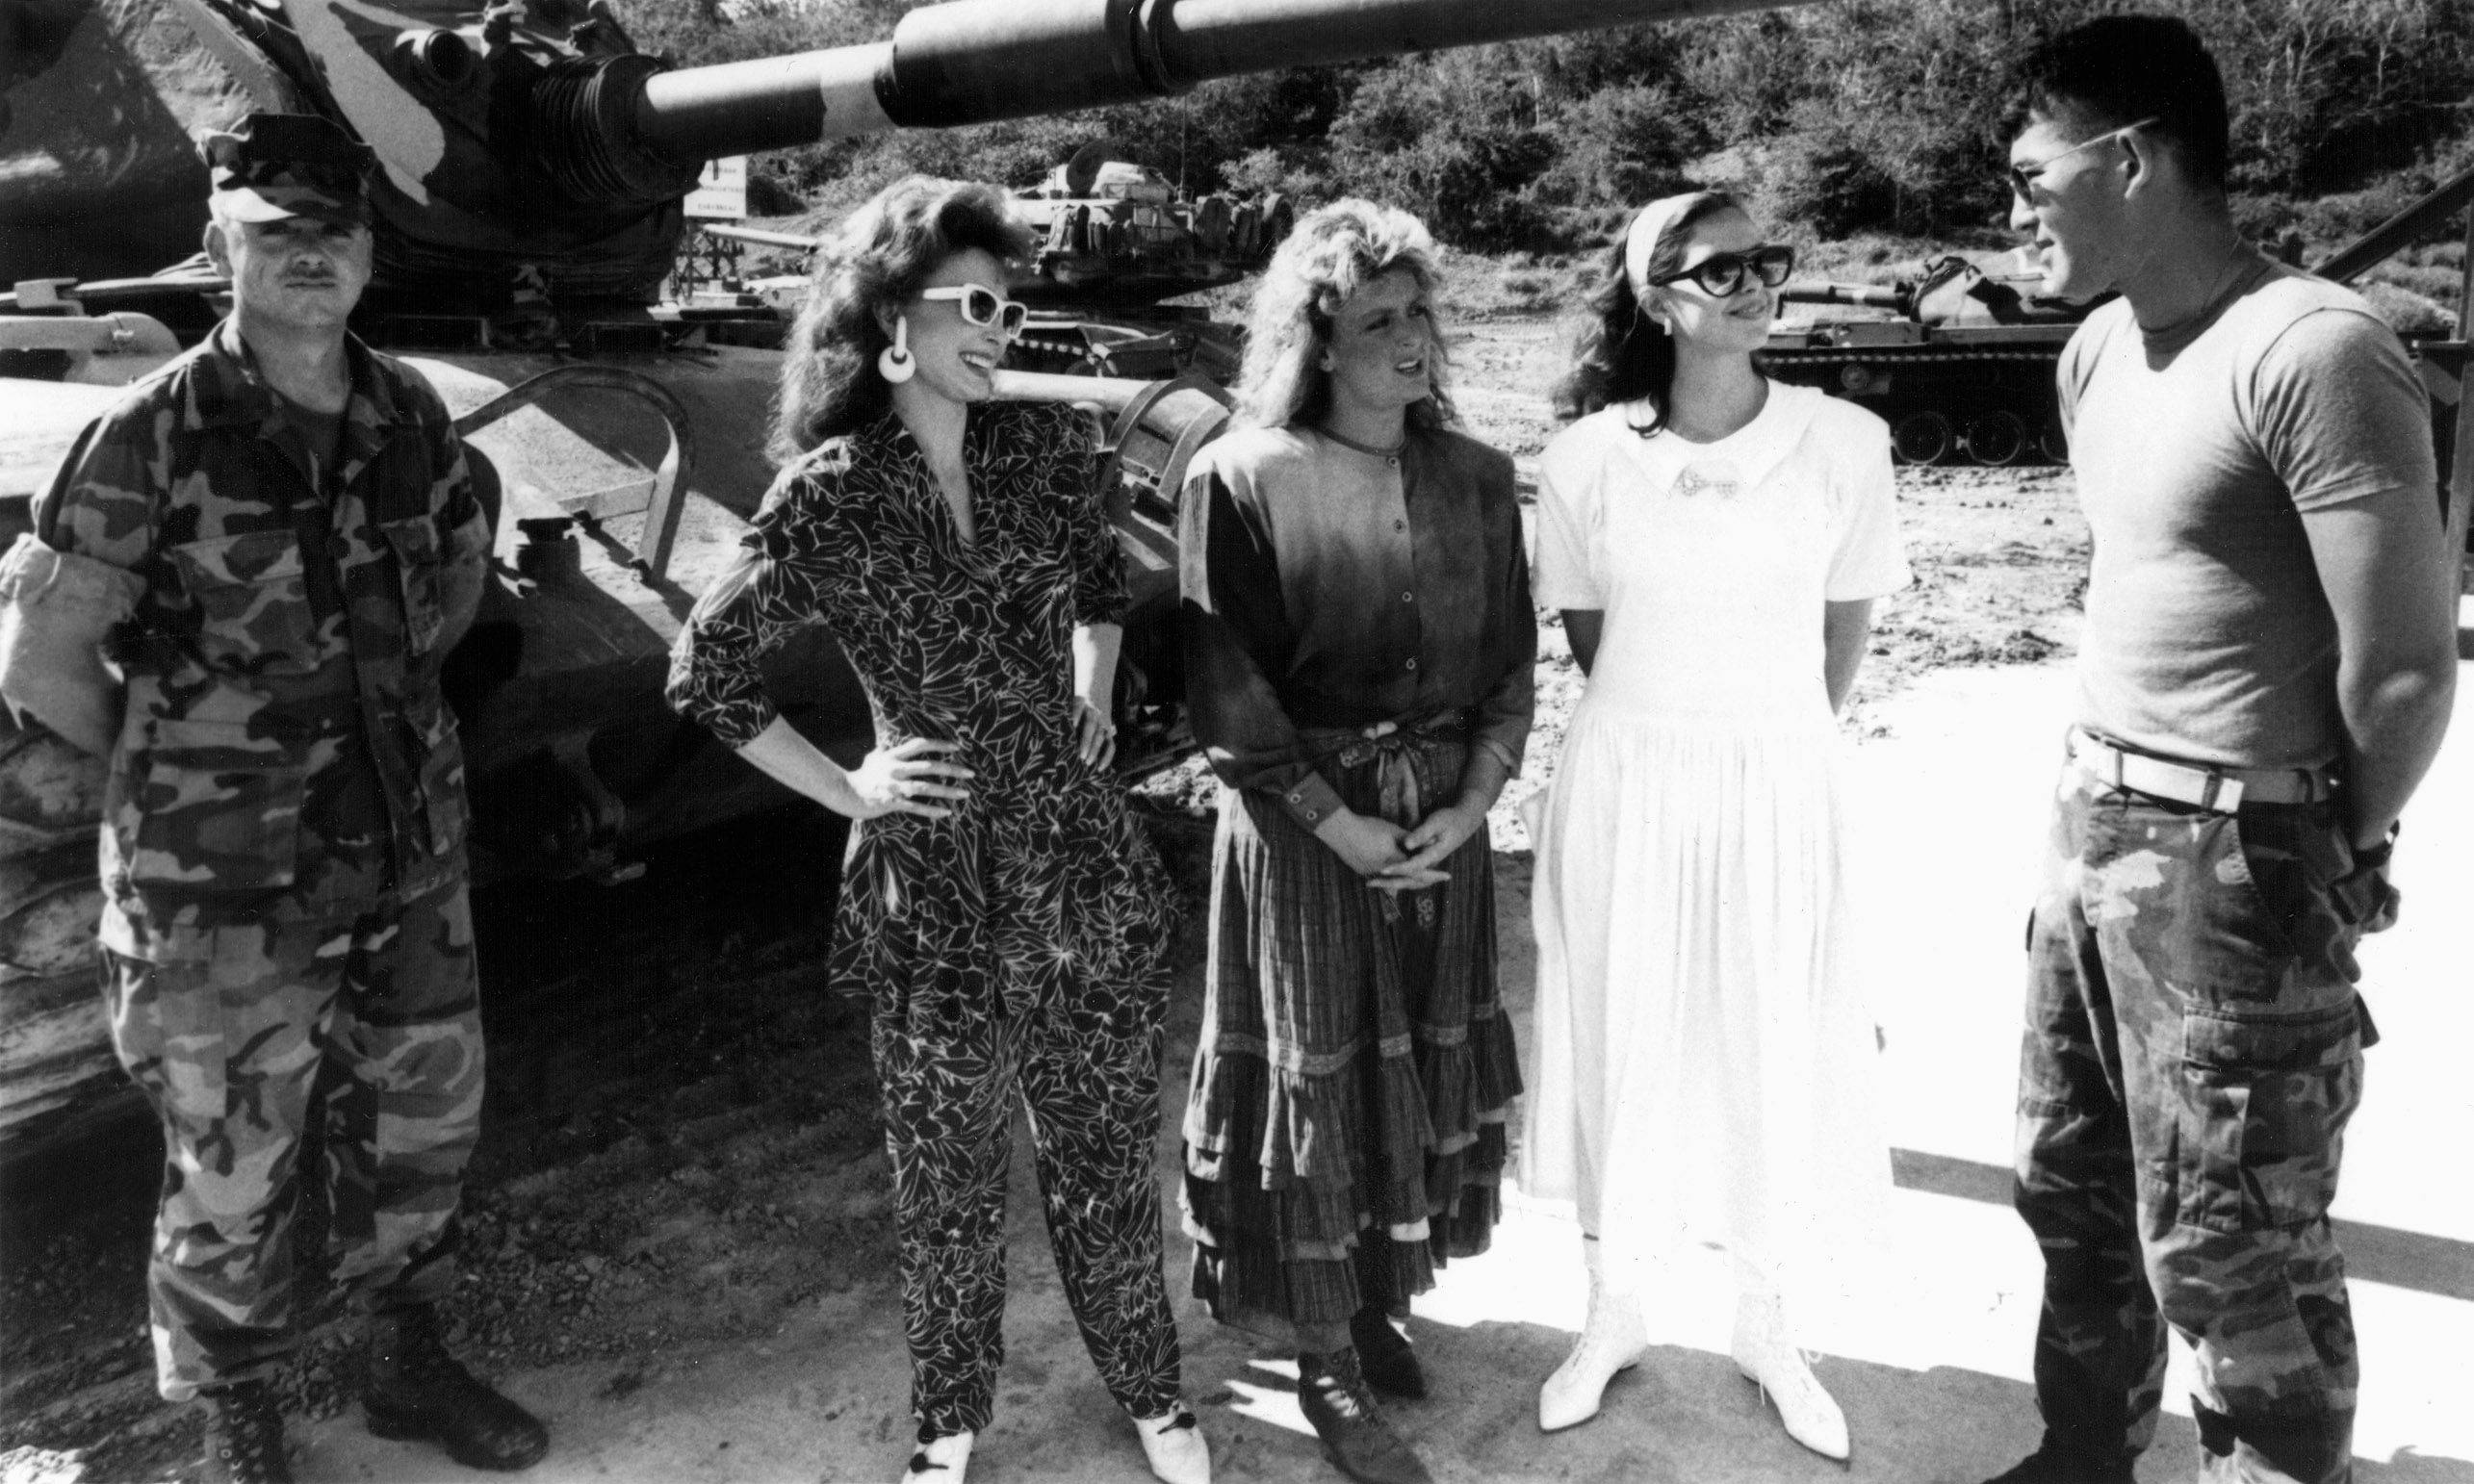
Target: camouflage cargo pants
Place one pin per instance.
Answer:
(2193, 1051)
(227, 1046)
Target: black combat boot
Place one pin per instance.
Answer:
(417, 1390)
(1331, 1392)
(1386, 1355)
(243, 1436)
(2054, 1464)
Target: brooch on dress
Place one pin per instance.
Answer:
(1716, 476)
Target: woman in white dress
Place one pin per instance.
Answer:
(1714, 541)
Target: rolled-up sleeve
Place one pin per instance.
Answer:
(1236, 626)
(56, 610)
(776, 584)
(68, 584)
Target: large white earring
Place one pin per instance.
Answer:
(895, 363)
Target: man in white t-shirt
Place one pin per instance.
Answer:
(2268, 667)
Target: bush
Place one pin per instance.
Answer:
(1825, 183)
(1445, 138)
(2405, 310)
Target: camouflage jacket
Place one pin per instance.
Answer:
(284, 753)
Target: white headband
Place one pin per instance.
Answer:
(1648, 227)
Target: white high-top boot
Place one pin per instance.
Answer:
(944, 1461)
(1767, 1354)
(1612, 1340)
(1174, 1446)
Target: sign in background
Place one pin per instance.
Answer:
(721, 190)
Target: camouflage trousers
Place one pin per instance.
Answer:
(2193, 1050)
(380, 1012)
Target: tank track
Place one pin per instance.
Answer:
(1937, 413)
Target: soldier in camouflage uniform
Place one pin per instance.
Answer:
(240, 588)
(2266, 672)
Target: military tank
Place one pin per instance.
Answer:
(1117, 237)
(1961, 366)
(532, 165)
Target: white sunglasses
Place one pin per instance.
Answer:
(983, 305)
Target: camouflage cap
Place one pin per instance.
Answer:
(272, 166)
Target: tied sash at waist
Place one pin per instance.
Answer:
(1396, 747)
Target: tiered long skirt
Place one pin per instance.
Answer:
(1345, 1132)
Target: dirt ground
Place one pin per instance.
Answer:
(680, 1153)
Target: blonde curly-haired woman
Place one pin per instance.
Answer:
(1359, 649)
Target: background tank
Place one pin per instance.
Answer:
(1117, 238)
(1114, 239)
(532, 163)
(1961, 370)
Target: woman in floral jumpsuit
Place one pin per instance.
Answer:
(999, 906)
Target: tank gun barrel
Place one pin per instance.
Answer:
(1897, 296)
(760, 237)
(975, 60)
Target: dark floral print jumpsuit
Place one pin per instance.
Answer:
(1016, 948)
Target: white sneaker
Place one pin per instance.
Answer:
(1613, 1340)
(941, 1462)
(1766, 1357)
(1174, 1446)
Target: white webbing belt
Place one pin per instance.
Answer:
(2207, 787)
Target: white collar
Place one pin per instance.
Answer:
(1741, 460)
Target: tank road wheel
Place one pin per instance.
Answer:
(1922, 437)
(2053, 443)
(1997, 438)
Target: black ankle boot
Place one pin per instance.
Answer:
(417, 1390)
(1386, 1355)
(243, 1436)
(1331, 1392)
(2052, 1464)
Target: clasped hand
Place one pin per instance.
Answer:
(1393, 857)
(2366, 897)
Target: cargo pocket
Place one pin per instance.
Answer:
(444, 809)
(219, 809)
(167, 1030)
(418, 559)
(2264, 1107)
(254, 595)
